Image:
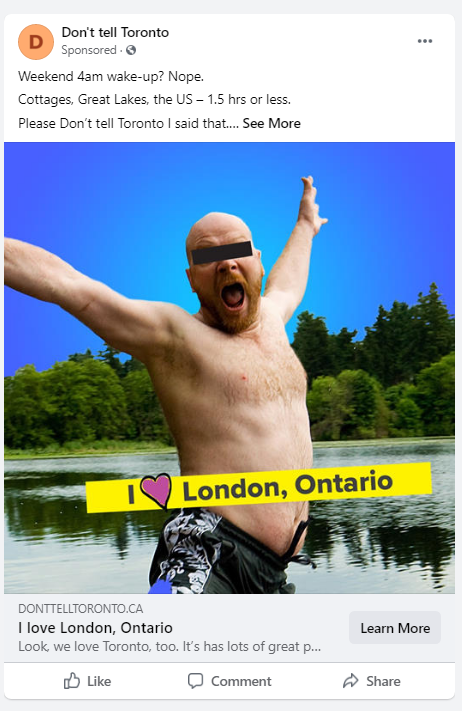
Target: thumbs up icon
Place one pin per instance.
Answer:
(72, 682)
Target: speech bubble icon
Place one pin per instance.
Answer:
(195, 680)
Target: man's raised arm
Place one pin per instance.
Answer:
(287, 280)
(135, 327)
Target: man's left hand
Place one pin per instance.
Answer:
(309, 210)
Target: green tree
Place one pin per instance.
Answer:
(405, 414)
(69, 392)
(27, 410)
(435, 395)
(434, 329)
(80, 357)
(311, 344)
(107, 401)
(327, 408)
(351, 406)
(406, 339)
(109, 356)
(360, 401)
(131, 365)
(146, 418)
(88, 401)
(387, 351)
(382, 412)
(408, 418)
(343, 351)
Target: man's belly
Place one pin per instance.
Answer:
(274, 525)
(273, 437)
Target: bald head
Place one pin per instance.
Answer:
(218, 224)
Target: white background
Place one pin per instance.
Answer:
(269, 6)
(348, 77)
(320, 620)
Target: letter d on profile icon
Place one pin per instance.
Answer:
(36, 42)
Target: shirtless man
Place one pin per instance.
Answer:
(232, 389)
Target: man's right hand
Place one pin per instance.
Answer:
(140, 328)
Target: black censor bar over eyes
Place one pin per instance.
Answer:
(236, 250)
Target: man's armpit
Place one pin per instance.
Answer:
(281, 303)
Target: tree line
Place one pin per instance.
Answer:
(398, 381)
(83, 399)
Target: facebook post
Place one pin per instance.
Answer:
(229, 357)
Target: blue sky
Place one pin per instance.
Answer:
(120, 212)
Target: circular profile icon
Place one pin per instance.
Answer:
(36, 42)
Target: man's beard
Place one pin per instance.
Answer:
(239, 321)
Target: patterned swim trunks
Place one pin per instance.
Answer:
(200, 552)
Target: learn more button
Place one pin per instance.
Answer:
(395, 627)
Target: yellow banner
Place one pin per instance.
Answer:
(162, 491)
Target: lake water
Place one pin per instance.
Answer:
(396, 545)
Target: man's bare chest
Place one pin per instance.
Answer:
(252, 370)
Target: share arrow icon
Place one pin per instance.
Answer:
(350, 681)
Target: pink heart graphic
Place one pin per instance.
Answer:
(157, 488)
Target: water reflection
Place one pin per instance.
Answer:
(364, 545)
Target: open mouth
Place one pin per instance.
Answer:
(233, 296)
